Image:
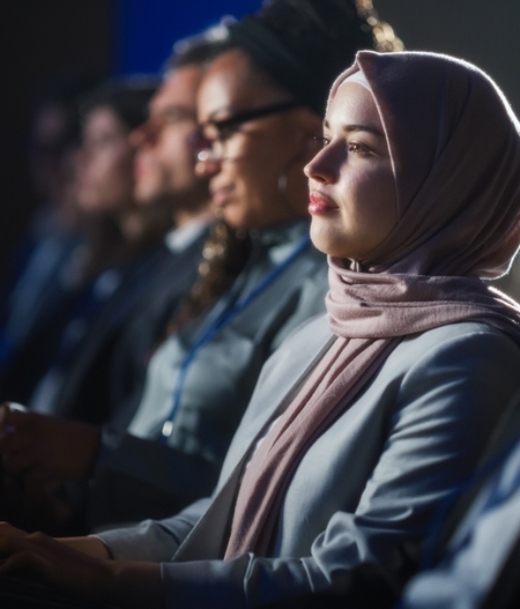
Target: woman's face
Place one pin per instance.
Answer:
(258, 180)
(352, 193)
(105, 179)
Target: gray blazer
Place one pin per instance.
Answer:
(367, 486)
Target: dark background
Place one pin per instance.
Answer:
(46, 40)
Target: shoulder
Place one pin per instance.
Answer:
(471, 341)
(460, 372)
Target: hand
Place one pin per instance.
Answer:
(46, 560)
(86, 574)
(43, 448)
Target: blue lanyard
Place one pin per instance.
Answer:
(221, 320)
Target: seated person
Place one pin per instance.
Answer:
(364, 421)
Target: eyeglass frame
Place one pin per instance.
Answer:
(203, 146)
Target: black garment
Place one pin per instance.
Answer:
(19, 593)
(112, 361)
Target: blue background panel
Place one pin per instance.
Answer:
(145, 31)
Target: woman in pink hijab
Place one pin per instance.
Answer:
(365, 420)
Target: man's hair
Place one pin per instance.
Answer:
(199, 49)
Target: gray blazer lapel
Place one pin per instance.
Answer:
(208, 536)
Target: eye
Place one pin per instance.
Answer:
(360, 149)
(321, 140)
(226, 132)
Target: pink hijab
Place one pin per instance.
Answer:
(455, 150)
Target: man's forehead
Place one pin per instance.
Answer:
(179, 89)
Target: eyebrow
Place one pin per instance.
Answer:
(173, 110)
(354, 128)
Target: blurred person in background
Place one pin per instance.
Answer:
(115, 234)
(105, 374)
(82, 384)
(110, 269)
(259, 119)
(37, 276)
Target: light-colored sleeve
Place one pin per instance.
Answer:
(477, 551)
(443, 412)
(154, 540)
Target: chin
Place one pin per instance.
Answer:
(322, 240)
(146, 196)
(233, 216)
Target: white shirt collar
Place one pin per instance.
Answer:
(179, 239)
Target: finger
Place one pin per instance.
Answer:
(7, 531)
(26, 564)
(10, 539)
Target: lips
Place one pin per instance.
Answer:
(320, 204)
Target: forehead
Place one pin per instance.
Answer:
(233, 82)
(178, 90)
(353, 104)
(103, 117)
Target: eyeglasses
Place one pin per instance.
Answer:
(210, 139)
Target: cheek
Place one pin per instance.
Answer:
(176, 143)
(382, 195)
(115, 177)
(175, 155)
(123, 170)
(260, 169)
(373, 210)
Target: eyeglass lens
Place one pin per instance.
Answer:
(209, 141)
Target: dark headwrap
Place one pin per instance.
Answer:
(304, 44)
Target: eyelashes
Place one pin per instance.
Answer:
(353, 147)
(320, 140)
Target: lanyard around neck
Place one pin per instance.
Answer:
(221, 320)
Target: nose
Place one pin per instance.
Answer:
(323, 167)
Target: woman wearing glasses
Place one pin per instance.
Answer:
(364, 420)
(261, 103)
